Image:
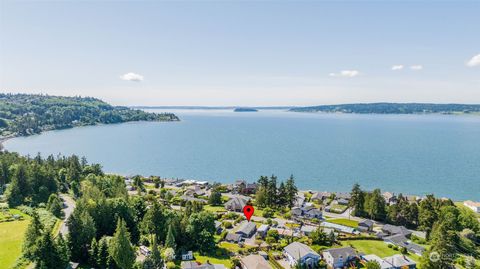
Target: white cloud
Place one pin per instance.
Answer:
(475, 61)
(345, 73)
(397, 67)
(416, 67)
(132, 77)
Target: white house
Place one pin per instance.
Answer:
(300, 253)
(339, 257)
(187, 256)
(472, 205)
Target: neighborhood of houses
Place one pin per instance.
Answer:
(311, 210)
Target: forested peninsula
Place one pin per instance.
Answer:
(27, 114)
(393, 108)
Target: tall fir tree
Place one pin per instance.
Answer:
(34, 232)
(121, 249)
(170, 241)
(291, 190)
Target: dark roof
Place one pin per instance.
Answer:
(368, 223)
(401, 241)
(342, 252)
(237, 202)
(392, 230)
(233, 237)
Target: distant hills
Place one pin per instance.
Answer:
(26, 114)
(392, 108)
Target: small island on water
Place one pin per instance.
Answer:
(245, 109)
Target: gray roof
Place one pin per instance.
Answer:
(237, 202)
(399, 260)
(308, 228)
(247, 228)
(263, 228)
(298, 250)
(233, 237)
(255, 262)
(341, 252)
(367, 223)
(401, 241)
(196, 265)
(392, 229)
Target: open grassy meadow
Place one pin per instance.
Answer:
(11, 238)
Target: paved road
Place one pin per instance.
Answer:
(70, 205)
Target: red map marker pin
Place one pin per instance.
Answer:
(248, 211)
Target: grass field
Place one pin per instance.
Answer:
(346, 222)
(11, 238)
(378, 248)
(214, 209)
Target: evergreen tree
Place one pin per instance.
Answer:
(48, 255)
(34, 232)
(271, 197)
(170, 241)
(103, 256)
(215, 198)
(291, 191)
(54, 205)
(282, 197)
(121, 250)
(62, 249)
(156, 256)
(357, 201)
(376, 206)
(19, 187)
(372, 265)
(93, 253)
(81, 232)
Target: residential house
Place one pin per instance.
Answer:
(186, 256)
(339, 227)
(298, 253)
(383, 264)
(401, 241)
(389, 229)
(247, 229)
(308, 229)
(254, 262)
(197, 265)
(73, 265)
(296, 212)
(343, 195)
(399, 261)
(218, 227)
(233, 238)
(342, 201)
(282, 232)
(365, 225)
(236, 203)
(308, 211)
(389, 198)
(262, 230)
(475, 206)
(339, 257)
(320, 196)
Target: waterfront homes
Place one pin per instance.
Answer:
(320, 196)
(236, 203)
(475, 206)
(242, 187)
(308, 211)
(254, 262)
(298, 253)
(339, 257)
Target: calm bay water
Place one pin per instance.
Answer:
(414, 154)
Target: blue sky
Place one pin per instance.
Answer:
(243, 53)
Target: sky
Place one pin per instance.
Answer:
(248, 53)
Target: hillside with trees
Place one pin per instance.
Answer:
(26, 114)
(393, 108)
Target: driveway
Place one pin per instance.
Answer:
(68, 210)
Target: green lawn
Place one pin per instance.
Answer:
(346, 222)
(338, 208)
(11, 238)
(215, 259)
(214, 209)
(378, 248)
(232, 247)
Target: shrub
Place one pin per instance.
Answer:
(227, 224)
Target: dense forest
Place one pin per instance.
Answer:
(26, 114)
(392, 108)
